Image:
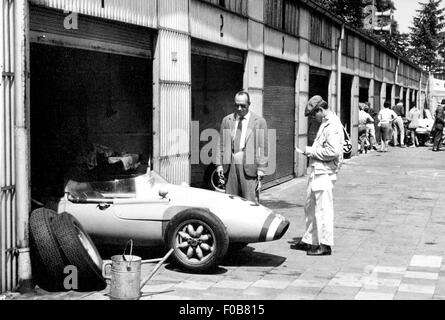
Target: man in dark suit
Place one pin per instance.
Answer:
(242, 156)
(438, 126)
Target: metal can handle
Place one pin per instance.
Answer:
(104, 269)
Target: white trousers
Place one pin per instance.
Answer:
(319, 210)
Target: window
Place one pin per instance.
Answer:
(237, 6)
(282, 14)
(321, 31)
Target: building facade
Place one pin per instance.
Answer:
(149, 76)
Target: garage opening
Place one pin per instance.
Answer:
(346, 91)
(363, 90)
(91, 107)
(279, 113)
(388, 92)
(318, 85)
(217, 75)
(377, 96)
(398, 97)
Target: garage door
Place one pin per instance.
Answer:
(279, 112)
(49, 26)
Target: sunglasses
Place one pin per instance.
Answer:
(240, 106)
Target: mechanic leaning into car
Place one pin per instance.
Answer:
(325, 157)
(242, 156)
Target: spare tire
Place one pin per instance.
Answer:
(80, 252)
(47, 260)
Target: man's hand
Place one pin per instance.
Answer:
(260, 175)
(220, 171)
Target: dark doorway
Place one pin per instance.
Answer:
(346, 91)
(318, 85)
(388, 92)
(83, 98)
(377, 95)
(363, 92)
(214, 85)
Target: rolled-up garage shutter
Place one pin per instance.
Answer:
(279, 112)
(49, 26)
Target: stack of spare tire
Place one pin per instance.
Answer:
(60, 250)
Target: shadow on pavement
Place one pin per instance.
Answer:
(248, 257)
(280, 204)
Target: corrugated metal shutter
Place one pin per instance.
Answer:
(279, 112)
(47, 26)
(212, 50)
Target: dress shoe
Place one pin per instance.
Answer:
(435, 150)
(321, 250)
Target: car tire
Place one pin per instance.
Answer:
(80, 252)
(47, 261)
(199, 239)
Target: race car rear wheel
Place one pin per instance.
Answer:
(199, 239)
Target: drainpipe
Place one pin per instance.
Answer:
(339, 58)
(22, 143)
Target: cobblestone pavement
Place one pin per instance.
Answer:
(389, 233)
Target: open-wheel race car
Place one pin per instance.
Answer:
(198, 224)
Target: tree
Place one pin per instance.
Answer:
(427, 36)
(350, 10)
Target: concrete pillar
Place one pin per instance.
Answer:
(406, 101)
(172, 92)
(393, 93)
(303, 97)
(371, 94)
(254, 68)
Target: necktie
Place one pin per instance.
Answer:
(239, 129)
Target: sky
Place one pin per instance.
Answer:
(405, 11)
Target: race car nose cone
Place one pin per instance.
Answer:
(282, 228)
(274, 228)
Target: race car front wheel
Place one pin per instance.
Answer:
(199, 239)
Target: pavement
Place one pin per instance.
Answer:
(389, 242)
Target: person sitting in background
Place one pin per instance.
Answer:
(399, 127)
(438, 126)
(386, 118)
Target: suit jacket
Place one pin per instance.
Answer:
(256, 144)
(440, 118)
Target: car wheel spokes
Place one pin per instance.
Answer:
(195, 241)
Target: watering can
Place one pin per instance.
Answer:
(126, 274)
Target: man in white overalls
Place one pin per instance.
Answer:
(325, 157)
